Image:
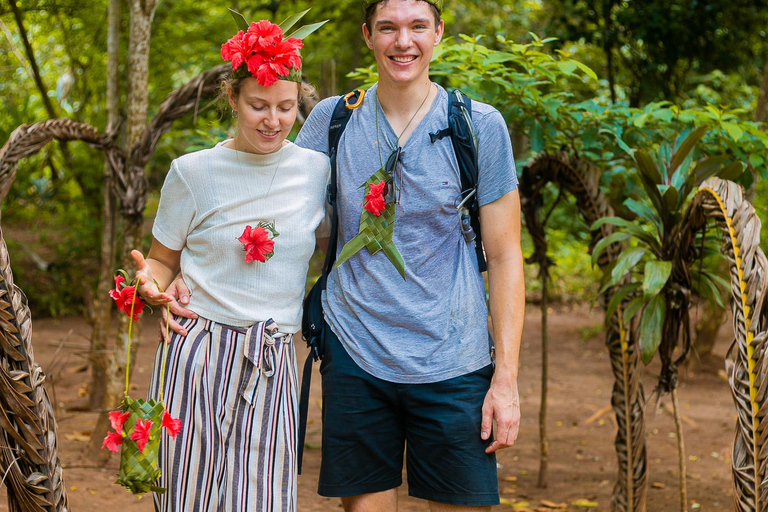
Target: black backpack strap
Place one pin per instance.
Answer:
(464, 140)
(342, 112)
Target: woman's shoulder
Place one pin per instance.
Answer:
(309, 156)
(199, 159)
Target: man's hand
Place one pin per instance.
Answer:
(502, 404)
(179, 294)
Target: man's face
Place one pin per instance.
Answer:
(403, 38)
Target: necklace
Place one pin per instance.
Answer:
(259, 241)
(378, 107)
(274, 173)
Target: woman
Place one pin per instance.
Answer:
(239, 220)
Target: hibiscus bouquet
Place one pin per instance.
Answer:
(138, 423)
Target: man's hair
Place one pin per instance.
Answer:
(370, 12)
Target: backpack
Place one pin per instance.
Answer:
(462, 133)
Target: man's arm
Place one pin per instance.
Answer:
(500, 225)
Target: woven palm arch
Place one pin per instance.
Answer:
(580, 178)
(29, 459)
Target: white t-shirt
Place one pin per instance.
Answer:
(208, 199)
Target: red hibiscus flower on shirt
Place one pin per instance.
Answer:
(140, 433)
(124, 298)
(257, 244)
(374, 200)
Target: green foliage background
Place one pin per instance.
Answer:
(673, 66)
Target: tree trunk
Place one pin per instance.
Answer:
(544, 451)
(761, 112)
(102, 305)
(608, 48)
(142, 13)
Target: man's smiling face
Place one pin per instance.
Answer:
(403, 36)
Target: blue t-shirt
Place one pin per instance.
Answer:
(433, 325)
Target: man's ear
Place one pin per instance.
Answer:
(440, 29)
(367, 36)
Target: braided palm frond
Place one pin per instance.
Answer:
(28, 446)
(28, 139)
(581, 179)
(747, 357)
(628, 400)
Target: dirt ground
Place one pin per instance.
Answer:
(582, 465)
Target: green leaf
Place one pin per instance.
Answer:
(626, 262)
(734, 130)
(705, 287)
(655, 276)
(618, 297)
(537, 137)
(566, 66)
(707, 168)
(634, 306)
(671, 196)
(308, 29)
(731, 171)
(242, 24)
(686, 147)
(586, 69)
(630, 227)
(651, 321)
(643, 210)
(756, 160)
(604, 243)
(647, 167)
(290, 21)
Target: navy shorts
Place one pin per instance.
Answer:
(368, 423)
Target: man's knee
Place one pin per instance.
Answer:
(385, 501)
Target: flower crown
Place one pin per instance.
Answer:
(261, 50)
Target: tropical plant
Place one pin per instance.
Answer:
(655, 277)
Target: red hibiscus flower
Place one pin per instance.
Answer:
(112, 441)
(374, 200)
(266, 33)
(124, 298)
(140, 433)
(257, 244)
(262, 48)
(238, 49)
(118, 419)
(171, 424)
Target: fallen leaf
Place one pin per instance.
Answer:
(510, 479)
(78, 436)
(520, 504)
(658, 485)
(551, 504)
(584, 503)
(508, 490)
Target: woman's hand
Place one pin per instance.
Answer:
(178, 289)
(147, 286)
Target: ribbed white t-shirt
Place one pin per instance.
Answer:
(208, 199)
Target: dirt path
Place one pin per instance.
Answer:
(582, 463)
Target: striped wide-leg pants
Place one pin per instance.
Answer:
(235, 392)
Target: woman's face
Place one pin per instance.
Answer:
(265, 115)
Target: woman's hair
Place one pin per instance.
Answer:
(370, 12)
(306, 91)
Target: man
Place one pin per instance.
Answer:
(407, 361)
